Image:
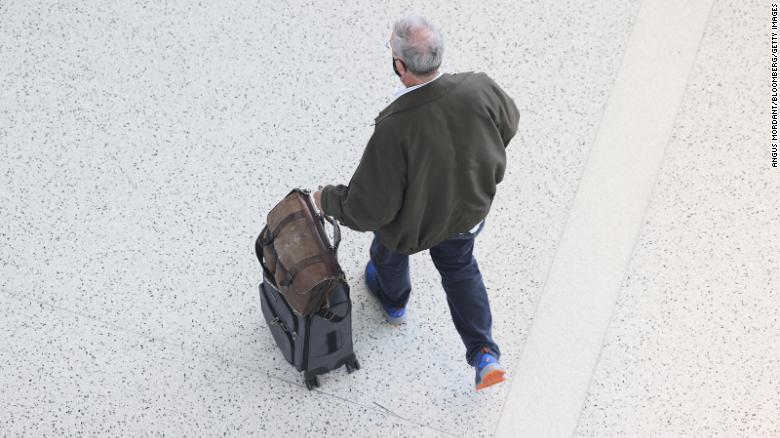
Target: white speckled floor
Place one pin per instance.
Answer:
(141, 145)
(693, 348)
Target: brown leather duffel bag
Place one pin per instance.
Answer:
(295, 251)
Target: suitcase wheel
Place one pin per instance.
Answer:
(352, 366)
(312, 383)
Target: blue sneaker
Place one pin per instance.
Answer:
(489, 371)
(394, 315)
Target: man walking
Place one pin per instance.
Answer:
(426, 180)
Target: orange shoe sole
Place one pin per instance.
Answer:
(491, 378)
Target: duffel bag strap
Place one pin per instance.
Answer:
(292, 217)
(265, 239)
(259, 243)
(332, 317)
(300, 266)
(326, 313)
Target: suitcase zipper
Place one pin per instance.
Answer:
(293, 334)
(284, 327)
(307, 335)
(278, 321)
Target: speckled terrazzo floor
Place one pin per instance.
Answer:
(142, 144)
(693, 348)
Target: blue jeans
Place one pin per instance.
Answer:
(461, 279)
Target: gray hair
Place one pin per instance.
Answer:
(418, 43)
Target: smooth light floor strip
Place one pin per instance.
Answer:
(550, 382)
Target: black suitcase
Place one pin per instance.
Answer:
(314, 344)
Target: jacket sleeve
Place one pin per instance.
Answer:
(505, 114)
(375, 192)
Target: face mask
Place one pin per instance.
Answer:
(395, 69)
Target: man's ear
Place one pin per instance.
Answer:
(403, 64)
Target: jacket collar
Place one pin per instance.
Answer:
(430, 92)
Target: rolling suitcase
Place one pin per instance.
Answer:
(310, 315)
(314, 344)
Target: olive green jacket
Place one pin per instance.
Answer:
(431, 167)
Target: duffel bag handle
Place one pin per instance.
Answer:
(266, 239)
(336, 231)
(318, 214)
